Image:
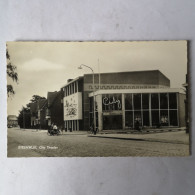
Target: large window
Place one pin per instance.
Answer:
(173, 117)
(138, 117)
(155, 117)
(172, 101)
(146, 119)
(163, 101)
(91, 112)
(173, 109)
(164, 118)
(112, 122)
(128, 102)
(154, 109)
(129, 119)
(154, 101)
(137, 101)
(145, 101)
(91, 104)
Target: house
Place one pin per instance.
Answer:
(54, 111)
(37, 114)
(12, 121)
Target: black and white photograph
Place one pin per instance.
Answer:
(98, 99)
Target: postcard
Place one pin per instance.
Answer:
(97, 99)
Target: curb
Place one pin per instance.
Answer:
(141, 139)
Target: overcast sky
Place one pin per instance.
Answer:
(46, 66)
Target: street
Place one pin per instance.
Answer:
(32, 143)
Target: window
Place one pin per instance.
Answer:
(129, 119)
(172, 101)
(138, 117)
(155, 118)
(163, 101)
(91, 104)
(73, 88)
(146, 121)
(154, 101)
(173, 117)
(164, 118)
(112, 122)
(137, 101)
(76, 85)
(128, 102)
(145, 101)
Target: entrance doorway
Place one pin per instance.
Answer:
(112, 122)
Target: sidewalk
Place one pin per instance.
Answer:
(144, 131)
(177, 137)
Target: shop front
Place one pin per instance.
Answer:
(124, 109)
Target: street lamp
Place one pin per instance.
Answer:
(94, 117)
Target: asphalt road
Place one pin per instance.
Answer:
(31, 143)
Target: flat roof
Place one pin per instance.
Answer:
(77, 78)
(128, 71)
(104, 73)
(156, 90)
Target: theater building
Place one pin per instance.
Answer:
(122, 100)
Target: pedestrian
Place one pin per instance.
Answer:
(55, 128)
(61, 129)
(94, 131)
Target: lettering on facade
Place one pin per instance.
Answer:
(110, 101)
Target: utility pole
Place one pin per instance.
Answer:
(94, 116)
(99, 72)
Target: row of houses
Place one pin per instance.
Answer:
(44, 112)
(111, 101)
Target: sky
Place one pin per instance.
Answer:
(45, 66)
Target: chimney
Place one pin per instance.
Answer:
(69, 80)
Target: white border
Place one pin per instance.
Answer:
(101, 20)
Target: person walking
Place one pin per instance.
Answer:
(55, 127)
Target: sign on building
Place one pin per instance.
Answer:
(73, 107)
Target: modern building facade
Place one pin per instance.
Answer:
(122, 100)
(123, 109)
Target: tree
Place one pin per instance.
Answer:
(36, 98)
(24, 118)
(12, 73)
